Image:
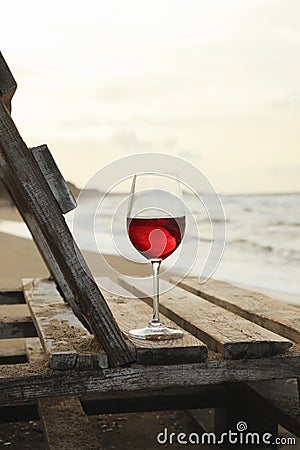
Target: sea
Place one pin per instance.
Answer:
(261, 249)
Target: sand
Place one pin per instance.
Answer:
(19, 258)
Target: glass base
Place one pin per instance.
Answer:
(156, 332)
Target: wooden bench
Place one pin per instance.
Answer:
(72, 339)
(254, 370)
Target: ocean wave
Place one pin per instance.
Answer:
(281, 223)
(210, 219)
(246, 242)
(198, 239)
(286, 253)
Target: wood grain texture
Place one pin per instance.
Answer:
(41, 241)
(26, 382)
(65, 424)
(131, 313)
(272, 314)
(14, 314)
(34, 350)
(40, 211)
(8, 84)
(224, 332)
(54, 178)
(56, 273)
(7, 88)
(66, 342)
(12, 347)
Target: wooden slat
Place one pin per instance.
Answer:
(54, 178)
(14, 314)
(223, 331)
(274, 315)
(43, 216)
(56, 272)
(8, 84)
(12, 347)
(66, 425)
(7, 87)
(66, 342)
(15, 324)
(34, 350)
(132, 313)
(26, 382)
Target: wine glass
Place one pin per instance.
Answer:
(156, 225)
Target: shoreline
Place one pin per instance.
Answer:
(20, 258)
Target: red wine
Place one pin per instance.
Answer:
(156, 238)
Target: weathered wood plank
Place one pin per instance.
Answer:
(259, 308)
(26, 382)
(34, 350)
(55, 270)
(224, 332)
(66, 342)
(12, 347)
(41, 212)
(66, 425)
(131, 313)
(54, 178)
(8, 84)
(45, 249)
(14, 314)
(7, 87)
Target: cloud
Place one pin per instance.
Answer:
(188, 155)
(128, 140)
(169, 144)
(290, 171)
(288, 102)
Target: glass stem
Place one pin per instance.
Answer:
(155, 267)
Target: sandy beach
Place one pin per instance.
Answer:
(175, 128)
(20, 258)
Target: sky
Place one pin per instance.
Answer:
(216, 83)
